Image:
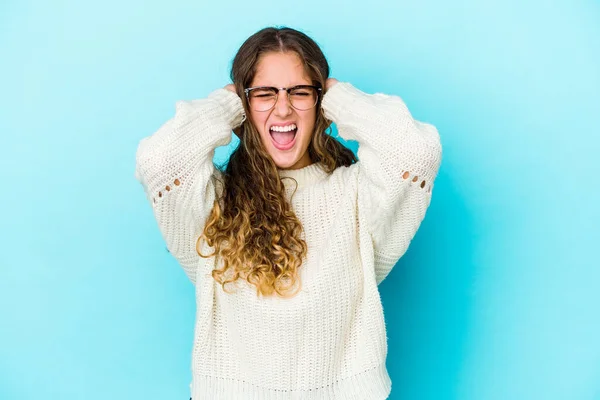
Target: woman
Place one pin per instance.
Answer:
(286, 245)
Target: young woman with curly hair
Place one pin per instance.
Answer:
(287, 242)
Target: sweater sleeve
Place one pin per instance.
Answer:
(399, 158)
(174, 165)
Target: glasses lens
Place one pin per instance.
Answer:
(262, 99)
(303, 98)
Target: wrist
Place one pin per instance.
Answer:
(231, 106)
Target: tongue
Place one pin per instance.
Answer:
(283, 137)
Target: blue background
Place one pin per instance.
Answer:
(498, 296)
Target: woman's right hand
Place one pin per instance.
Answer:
(238, 130)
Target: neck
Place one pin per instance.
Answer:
(305, 176)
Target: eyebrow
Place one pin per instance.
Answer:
(277, 86)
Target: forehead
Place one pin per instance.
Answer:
(280, 70)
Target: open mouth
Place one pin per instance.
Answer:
(284, 137)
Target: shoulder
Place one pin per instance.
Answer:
(344, 176)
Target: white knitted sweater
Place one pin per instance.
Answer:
(328, 342)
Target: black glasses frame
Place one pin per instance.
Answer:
(288, 90)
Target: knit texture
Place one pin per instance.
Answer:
(329, 341)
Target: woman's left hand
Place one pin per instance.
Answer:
(330, 82)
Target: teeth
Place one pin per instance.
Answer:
(283, 128)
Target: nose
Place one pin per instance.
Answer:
(283, 107)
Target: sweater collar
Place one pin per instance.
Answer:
(305, 176)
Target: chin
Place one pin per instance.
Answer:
(285, 163)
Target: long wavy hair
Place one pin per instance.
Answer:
(252, 227)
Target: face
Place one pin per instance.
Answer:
(276, 126)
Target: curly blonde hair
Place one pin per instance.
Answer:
(252, 226)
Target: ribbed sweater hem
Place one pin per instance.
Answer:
(373, 384)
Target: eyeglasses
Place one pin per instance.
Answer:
(301, 97)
